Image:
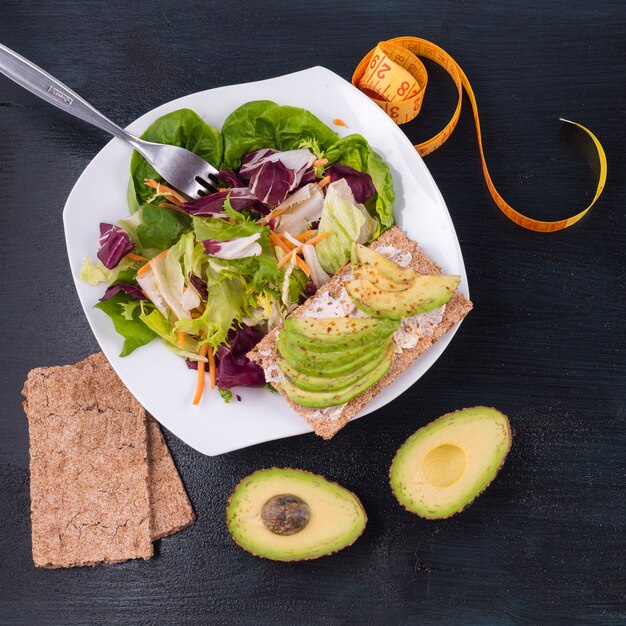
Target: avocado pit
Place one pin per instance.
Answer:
(444, 465)
(285, 514)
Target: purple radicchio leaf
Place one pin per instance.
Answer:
(115, 244)
(274, 174)
(272, 182)
(360, 182)
(238, 248)
(308, 177)
(200, 286)
(213, 205)
(131, 290)
(234, 368)
(232, 179)
(252, 161)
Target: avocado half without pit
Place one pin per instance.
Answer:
(288, 514)
(443, 467)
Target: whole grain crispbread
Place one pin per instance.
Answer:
(170, 509)
(456, 309)
(90, 397)
(88, 467)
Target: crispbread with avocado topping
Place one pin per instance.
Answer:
(327, 423)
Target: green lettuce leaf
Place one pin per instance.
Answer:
(354, 151)
(183, 128)
(227, 305)
(260, 272)
(134, 331)
(346, 221)
(265, 124)
(160, 227)
(157, 323)
(96, 273)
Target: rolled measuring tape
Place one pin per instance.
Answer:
(393, 76)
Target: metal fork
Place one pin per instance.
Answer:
(181, 168)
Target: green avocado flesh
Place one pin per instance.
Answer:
(306, 382)
(388, 269)
(445, 465)
(377, 278)
(424, 294)
(312, 337)
(293, 515)
(321, 400)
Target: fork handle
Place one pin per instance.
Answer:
(48, 88)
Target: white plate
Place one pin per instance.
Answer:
(159, 379)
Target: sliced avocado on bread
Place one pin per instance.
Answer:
(309, 336)
(443, 467)
(331, 369)
(424, 294)
(369, 257)
(288, 514)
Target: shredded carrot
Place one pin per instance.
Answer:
(320, 162)
(286, 258)
(200, 379)
(164, 190)
(339, 122)
(303, 266)
(324, 181)
(169, 205)
(277, 242)
(131, 256)
(195, 315)
(181, 339)
(295, 251)
(212, 368)
(303, 236)
(275, 213)
(144, 268)
(317, 238)
(345, 262)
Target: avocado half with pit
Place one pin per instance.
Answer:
(288, 514)
(443, 467)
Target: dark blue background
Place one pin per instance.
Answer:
(545, 343)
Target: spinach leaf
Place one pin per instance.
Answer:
(160, 227)
(265, 124)
(183, 128)
(354, 151)
(134, 331)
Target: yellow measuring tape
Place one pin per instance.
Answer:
(394, 78)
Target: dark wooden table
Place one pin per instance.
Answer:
(545, 343)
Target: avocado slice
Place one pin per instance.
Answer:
(328, 328)
(391, 271)
(288, 514)
(324, 399)
(424, 294)
(306, 382)
(445, 465)
(378, 330)
(329, 364)
(378, 279)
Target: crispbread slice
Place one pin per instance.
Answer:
(171, 510)
(88, 467)
(457, 308)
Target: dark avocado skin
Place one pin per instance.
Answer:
(318, 384)
(335, 343)
(329, 364)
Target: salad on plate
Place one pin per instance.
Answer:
(211, 277)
